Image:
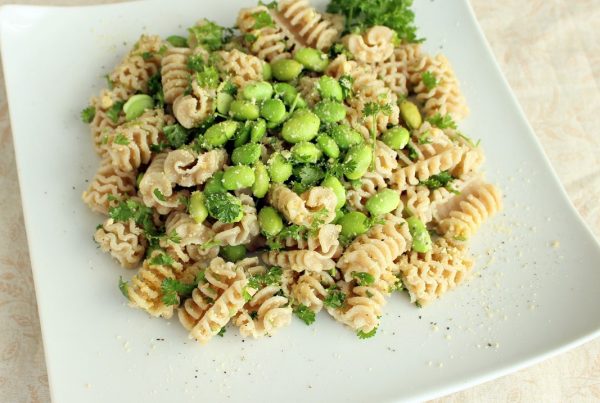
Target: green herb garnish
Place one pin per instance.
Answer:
(88, 114)
(305, 314)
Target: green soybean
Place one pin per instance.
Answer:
(217, 135)
(279, 168)
(410, 114)
(286, 92)
(328, 146)
(330, 88)
(243, 110)
(303, 125)
(137, 105)
(242, 136)
(261, 180)
(258, 131)
(238, 177)
(421, 241)
(215, 184)
(270, 221)
(267, 73)
(224, 101)
(233, 253)
(345, 136)
(259, 91)
(359, 157)
(306, 152)
(197, 209)
(383, 202)
(334, 184)
(273, 110)
(247, 154)
(312, 59)
(330, 111)
(286, 69)
(178, 41)
(338, 216)
(353, 224)
(396, 138)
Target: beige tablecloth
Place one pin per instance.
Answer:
(550, 52)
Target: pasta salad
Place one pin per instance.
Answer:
(298, 162)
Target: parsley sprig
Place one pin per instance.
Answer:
(335, 298)
(171, 290)
(225, 207)
(363, 278)
(362, 335)
(305, 314)
(271, 277)
(88, 114)
(441, 180)
(429, 80)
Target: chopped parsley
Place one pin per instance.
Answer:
(335, 298)
(208, 77)
(271, 277)
(362, 335)
(159, 195)
(209, 35)
(262, 19)
(305, 314)
(124, 287)
(346, 82)
(147, 56)
(155, 89)
(176, 135)
(250, 38)
(429, 80)
(424, 138)
(171, 290)
(172, 237)
(412, 153)
(161, 259)
(196, 63)
(115, 110)
(121, 139)
(140, 214)
(306, 176)
(340, 49)
(363, 278)
(222, 332)
(88, 114)
(178, 41)
(361, 14)
(441, 180)
(443, 122)
(271, 5)
(292, 231)
(224, 207)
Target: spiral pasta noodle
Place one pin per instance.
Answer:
(175, 73)
(242, 232)
(396, 70)
(141, 63)
(184, 168)
(298, 260)
(108, 183)
(475, 207)
(156, 189)
(124, 241)
(301, 210)
(101, 125)
(191, 110)
(374, 45)
(191, 238)
(241, 68)
(311, 289)
(271, 311)
(325, 241)
(306, 24)
(268, 43)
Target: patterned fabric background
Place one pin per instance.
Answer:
(550, 52)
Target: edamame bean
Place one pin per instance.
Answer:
(334, 184)
(306, 152)
(359, 157)
(338, 216)
(328, 146)
(345, 136)
(238, 177)
(261, 180)
(286, 69)
(259, 91)
(258, 131)
(137, 105)
(197, 209)
(421, 241)
(178, 41)
(247, 154)
(329, 88)
(383, 202)
(330, 111)
(303, 125)
(242, 136)
(270, 221)
(233, 253)
(396, 138)
(224, 101)
(353, 224)
(286, 92)
(217, 135)
(410, 114)
(243, 110)
(267, 73)
(279, 168)
(215, 184)
(312, 59)
(273, 110)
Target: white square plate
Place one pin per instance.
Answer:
(527, 300)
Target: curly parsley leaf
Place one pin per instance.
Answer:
(361, 14)
(172, 237)
(133, 210)
(224, 207)
(305, 314)
(196, 63)
(335, 298)
(443, 179)
(124, 287)
(210, 35)
(88, 114)
(346, 82)
(442, 121)
(121, 139)
(161, 259)
(413, 155)
(115, 110)
(293, 231)
(271, 277)
(155, 89)
(363, 278)
(262, 19)
(208, 77)
(429, 80)
(362, 335)
(159, 195)
(222, 332)
(172, 289)
(306, 176)
(339, 49)
(176, 135)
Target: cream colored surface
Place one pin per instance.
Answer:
(549, 51)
